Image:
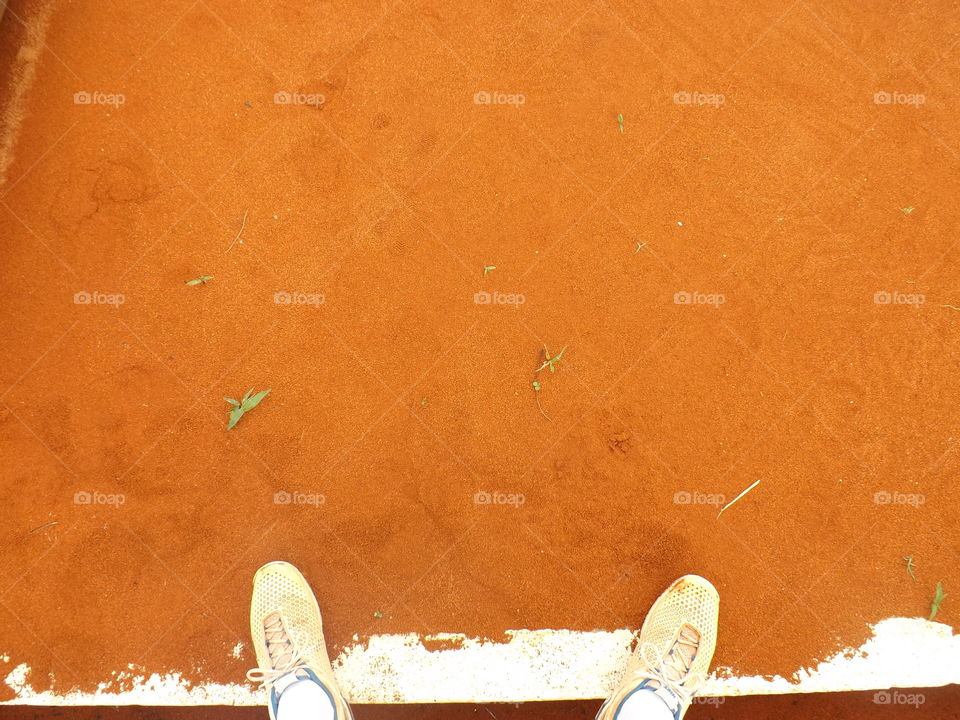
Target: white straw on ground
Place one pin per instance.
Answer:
(242, 226)
(738, 497)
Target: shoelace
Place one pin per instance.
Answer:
(672, 670)
(286, 654)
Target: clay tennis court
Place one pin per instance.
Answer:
(739, 225)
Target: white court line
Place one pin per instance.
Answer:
(534, 665)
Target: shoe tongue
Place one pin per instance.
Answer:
(689, 635)
(669, 697)
(281, 654)
(675, 665)
(279, 646)
(677, 662)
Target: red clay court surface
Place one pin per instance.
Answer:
(811, 222)
(942, 703)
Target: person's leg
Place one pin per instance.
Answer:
(672, 657)
(302, 699)
(644, 705)
(287, 632)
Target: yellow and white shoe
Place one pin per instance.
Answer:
(288, 637)
(674, 649)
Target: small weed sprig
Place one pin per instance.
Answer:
(549, 362)
(248, 403)
(937, 600)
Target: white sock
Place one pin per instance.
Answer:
(304, 700)
(644, 705)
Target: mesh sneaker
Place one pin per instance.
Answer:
(288, 637)
(674, 649)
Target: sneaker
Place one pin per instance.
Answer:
(288, 637)
(674, 649)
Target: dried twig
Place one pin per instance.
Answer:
(42, 527)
